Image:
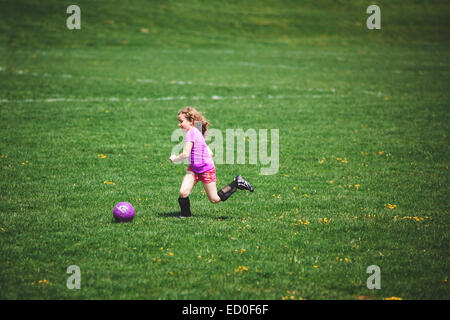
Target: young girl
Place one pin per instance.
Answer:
(201, 166)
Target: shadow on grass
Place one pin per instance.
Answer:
(176, 214)
(114, 221)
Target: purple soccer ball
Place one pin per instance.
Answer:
(123, 212)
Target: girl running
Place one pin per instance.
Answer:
(201, 166)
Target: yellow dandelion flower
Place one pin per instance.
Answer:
(393, 298)
(315, 266)
(171, 254)
(240, 269)
(101, 156)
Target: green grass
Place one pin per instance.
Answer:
(377, 100)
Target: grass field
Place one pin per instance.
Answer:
(363, 163)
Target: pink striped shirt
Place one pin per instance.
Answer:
(201, 160)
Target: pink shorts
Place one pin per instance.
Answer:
(207, 176)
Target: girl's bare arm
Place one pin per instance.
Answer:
(185, 154)
(210, 152)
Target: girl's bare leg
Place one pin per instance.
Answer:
(187, 185)
(211, 192)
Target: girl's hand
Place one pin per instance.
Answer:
(172, 157)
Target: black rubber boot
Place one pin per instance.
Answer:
(243, 184)
(227, 191)
(185, 206)
(238, 183)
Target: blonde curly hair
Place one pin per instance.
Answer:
(191, 114)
